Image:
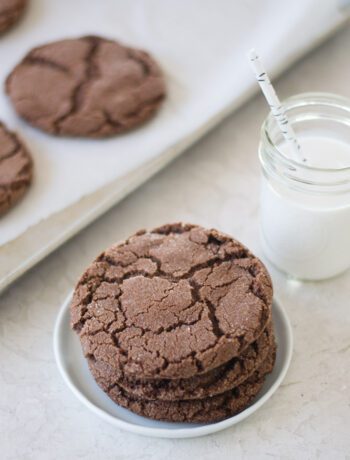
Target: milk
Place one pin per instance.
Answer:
(308, 235)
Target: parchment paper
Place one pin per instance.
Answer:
(201, 46)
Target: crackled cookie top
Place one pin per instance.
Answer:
(10, 12)
(88, 86)
(16, 169)
(171, 303)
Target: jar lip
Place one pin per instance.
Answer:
(300, 100)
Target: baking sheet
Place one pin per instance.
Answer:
(201, 46)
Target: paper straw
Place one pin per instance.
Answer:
(275, 105)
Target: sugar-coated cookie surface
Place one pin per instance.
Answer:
(171, 303)
(16, 169)
(88, 86)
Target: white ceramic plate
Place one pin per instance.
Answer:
(75, 372)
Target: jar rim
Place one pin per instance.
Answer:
(297, 101)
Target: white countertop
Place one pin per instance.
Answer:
(215, 184)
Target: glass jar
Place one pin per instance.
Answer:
(305, 209)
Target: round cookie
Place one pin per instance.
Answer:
(206, 410)
(171, 303)
(10, 12)
(16, 169)
(89, 86)
(214, 382)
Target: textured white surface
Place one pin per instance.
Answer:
(216, 184)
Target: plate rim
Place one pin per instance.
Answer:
(166, 432)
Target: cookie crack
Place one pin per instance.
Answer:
(218, 332)
(216, 261)
(255, 289)
(145, 68)
(90, 74)
(18, 184)
(45, 62)
(16, 148)
(170, 328)
(192, 354)
(214, 321)
(109, 120)
(155, 302)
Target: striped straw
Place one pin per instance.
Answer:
(276, 107)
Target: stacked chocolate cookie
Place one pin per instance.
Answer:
(176, 323)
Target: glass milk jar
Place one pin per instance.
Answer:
(305, 206)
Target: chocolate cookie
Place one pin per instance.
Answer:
(10, 12)
(171, 303)
(214, 382)
(16, 169)
(198, 410)
(88, 86)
